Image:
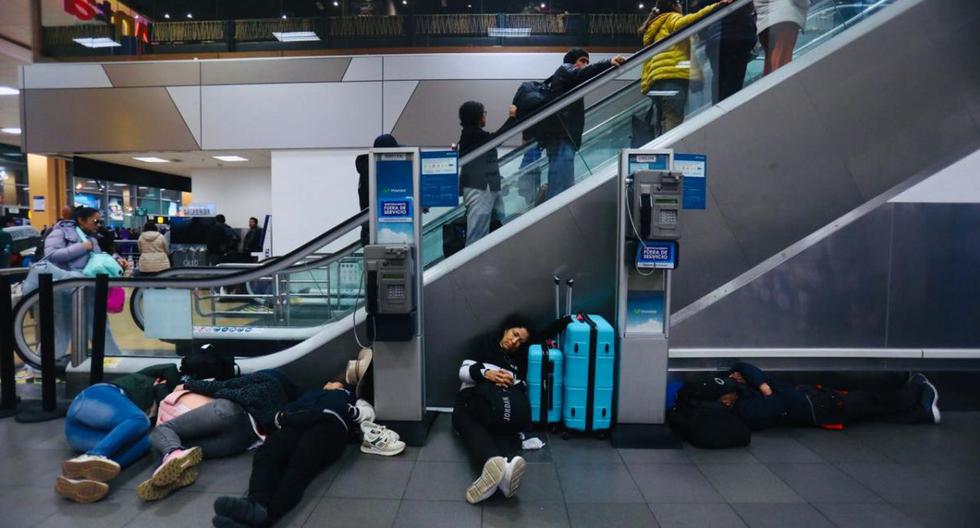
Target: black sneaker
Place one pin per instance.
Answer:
(929, 400)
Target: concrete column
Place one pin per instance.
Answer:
(47, 177)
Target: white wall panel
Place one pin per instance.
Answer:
(65, 76)
(237, 193)
(308, 115)
(312, 191)
(958, 183)
(364, 69)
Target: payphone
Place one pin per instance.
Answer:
(390, 286)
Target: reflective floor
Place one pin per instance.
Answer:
(867, 476)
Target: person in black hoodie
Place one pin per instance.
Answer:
(493, 380)
(762, 401)
(363, 188)
(480, 178)
(309, 434)
(561, 135)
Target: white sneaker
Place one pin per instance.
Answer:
(484, 487)
(512, 476)
(379, 440)
(366, 410)
(90, 467)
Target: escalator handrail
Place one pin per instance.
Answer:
(559, 103)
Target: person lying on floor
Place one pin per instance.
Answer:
(109, 423)
(309, 434)
(762, 401)
(212, 419)
(492, 408)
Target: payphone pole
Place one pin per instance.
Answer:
(648, 218)
(393, 291)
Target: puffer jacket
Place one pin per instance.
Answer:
(153, 252)
(675, 62)
(64, 248)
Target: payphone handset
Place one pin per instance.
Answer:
(390, 279)
(655, 203)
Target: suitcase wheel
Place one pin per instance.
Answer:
(565, 435)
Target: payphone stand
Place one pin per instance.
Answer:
(649, 202)
(393, 293)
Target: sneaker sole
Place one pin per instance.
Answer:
(97, 470)
(83, 491)
(496, 473)
(150, 492)
(372, 451)
(935, 402)
(515, 479)
(174, 468)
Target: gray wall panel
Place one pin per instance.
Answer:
(832, 295)
(515, 276)
(430, 118)
(328, 69)
(128, 119)
(935, 286)
(154, 74)
(291, 115)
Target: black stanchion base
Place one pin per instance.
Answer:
(412, 433)
(32, 412)
(644, 436)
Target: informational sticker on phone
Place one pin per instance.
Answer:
(660, 254)
(694, 167)
(659, 161)
(440, 178)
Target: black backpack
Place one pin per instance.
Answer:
(206, 364)
(707, 424)
(532, 95)
(510, 408)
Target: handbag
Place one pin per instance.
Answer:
(116, 300)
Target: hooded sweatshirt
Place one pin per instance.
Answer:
(153, 252)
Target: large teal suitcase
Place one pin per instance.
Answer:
(589, 349)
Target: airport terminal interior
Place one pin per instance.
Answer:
(664, 263)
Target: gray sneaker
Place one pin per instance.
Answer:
(485, 486)
(929, 400)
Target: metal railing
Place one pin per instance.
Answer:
(263, 29)
(606, 24)
(366, 26)
(191, 31)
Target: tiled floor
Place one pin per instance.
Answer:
(868, 476)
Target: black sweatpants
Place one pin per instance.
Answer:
(898, 406)
(289, 460)
(729, 58)
(469, 415)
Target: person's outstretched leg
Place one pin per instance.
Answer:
(480, 445)
(268, 466)
(106, 408)
(317, 447)
(871, 405)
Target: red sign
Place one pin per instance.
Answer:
(126, 25)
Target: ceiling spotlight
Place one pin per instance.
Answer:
(150, 159)
(284, 16)
(641, 6)
(230, 159)
(404, 2)
(190, 15)
(336, 3)
(542, 5)
(167, 16)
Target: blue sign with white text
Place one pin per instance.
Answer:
(694, 167)
(659, 254)
(394, 197)
(440, 178)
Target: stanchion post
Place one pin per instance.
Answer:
(8, 389)
(98, 328)
(49, 408)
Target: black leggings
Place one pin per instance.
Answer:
(898, 406)
(289, 460)
(469, 415)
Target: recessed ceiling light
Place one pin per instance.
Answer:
(6, 90)
(120, 185)
(97, 42)
(229, 158)
(11, 130)
(150, 159)
(167, 16)
(295, 36)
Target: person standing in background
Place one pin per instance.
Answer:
(253, 238)
(154, 253)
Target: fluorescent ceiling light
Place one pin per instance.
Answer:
(6, 90)
(150, 159)
(120, 185)
(295, 36)
(100, 42)
(10, 130)
(229, 158)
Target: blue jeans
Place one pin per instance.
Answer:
(530, 181)
(102, 421)
(480, 207)
(561, 165)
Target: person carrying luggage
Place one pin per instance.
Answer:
(492, 408)
(762, 401)
(309, 434)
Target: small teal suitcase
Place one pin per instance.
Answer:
(589, 349)
(544, 383)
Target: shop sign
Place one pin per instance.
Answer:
(128, 24)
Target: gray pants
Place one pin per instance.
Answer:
(480, 206)
(221, 428)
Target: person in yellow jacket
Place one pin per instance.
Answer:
(668, 74)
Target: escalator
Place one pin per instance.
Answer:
(304, 304)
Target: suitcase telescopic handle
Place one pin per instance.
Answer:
(568, 303)
(557, 297)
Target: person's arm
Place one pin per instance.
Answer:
(58, 250)
(646, 23)
(682, 22)
(753, 376)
